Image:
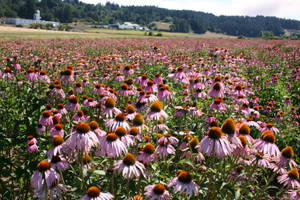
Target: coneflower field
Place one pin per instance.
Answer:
(159, 119)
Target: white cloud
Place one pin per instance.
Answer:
(278, 8)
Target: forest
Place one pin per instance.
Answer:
(68, 11)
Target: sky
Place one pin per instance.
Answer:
(289, 9)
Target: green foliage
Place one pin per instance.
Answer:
(182, 21)
(64, 27)
(267, 34)
(180, 25)
(37, 26)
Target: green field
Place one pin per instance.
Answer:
(10, 32)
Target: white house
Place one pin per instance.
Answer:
(128, 26)
(36, 19)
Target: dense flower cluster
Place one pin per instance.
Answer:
(160, 121)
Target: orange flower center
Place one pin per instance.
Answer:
(134, 131)
(156, 106)
(43, 166)
(80, 113)
(149, 148)
(111, 137)
(138, 120)
(193, 143)
(293, 173)
(94, 125)
(131, 109)
(185, 177)
(73, 99)
(243, 140)
(125, 86)
(110, 102)
(93, 192)
(238, 87)
(83, 128)
(120, 117)
(269, 137)
(228, 126)
(57, 140)
(239, 169)
(86, 159)
(129, 159)
(288, 152)
(121, 131)
(217, 101)
(215, 133)
(46, 114)
(217, 86)
(58, 127)
(244, 130)
(159, 189)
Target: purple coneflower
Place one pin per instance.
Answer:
(82, 138)
(191, 152)
(217, 90)
(125, 90)
(95, 128)
(58, 92)
(73, 105)
(147, 154)
(164, 149)
(131, 112)
(183, 183)
(156, 111)
(243, 149)
(90, 102)
(57, 145)
(215, 143)
(93, 193)
(168, 138)
(245, 131)
(294, 194)
(129, 167)
(58, 162)
(31, 144)
(270, 126)
(164, 93)
(229, 127)
(158, 79)
(61, 109)
(44, 172)
(78, 88)
(46, 119)
(285, 160)
(139, 122)
(290, 179)
(57, 130)
(119, 120)
(266, 144)
(157, 192)
(111, 146)
(80, 117)
(218, 105)
(124, 137)
(110, 108)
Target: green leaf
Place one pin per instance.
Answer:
(100, 172)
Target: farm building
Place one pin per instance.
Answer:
(36, 19)
(127, 25)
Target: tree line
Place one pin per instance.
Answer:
(66, 11)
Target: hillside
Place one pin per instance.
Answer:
(181, 20)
